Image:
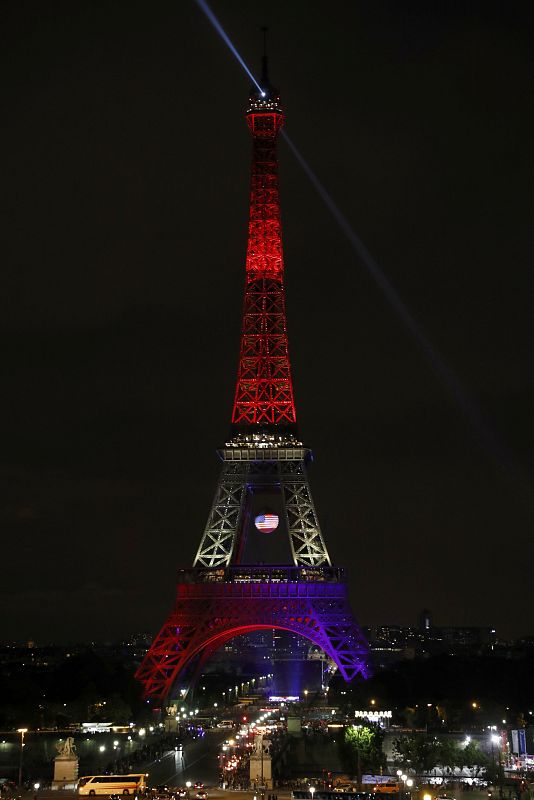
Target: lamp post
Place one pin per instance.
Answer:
(22, 731)
(312, 791)
(261, 749)
(496, 740)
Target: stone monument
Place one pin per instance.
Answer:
(261, 775)
(65, 765)
(170, 723)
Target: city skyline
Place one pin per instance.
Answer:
(126, 228)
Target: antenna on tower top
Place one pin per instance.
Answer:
(264, 60)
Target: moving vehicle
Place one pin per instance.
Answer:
(112, 784)
(162, 790)
(389, 787)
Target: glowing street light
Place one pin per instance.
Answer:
(312, 791)
(22, 731)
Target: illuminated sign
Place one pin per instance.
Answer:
(266, 523)
(374, 715)
(96, 727)
(289, 698)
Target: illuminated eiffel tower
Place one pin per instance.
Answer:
(263, 498)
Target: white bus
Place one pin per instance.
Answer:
(112, 784)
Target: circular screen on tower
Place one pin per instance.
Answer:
(266, 523)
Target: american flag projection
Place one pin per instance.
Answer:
(267, 523)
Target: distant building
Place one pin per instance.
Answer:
(396, 642)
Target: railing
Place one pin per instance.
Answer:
(261, 574)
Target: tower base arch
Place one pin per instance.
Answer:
(214, 606)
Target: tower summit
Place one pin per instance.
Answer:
(262, 562)
(264, 390)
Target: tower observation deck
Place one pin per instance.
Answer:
(263, 503)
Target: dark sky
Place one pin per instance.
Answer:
(125, 164)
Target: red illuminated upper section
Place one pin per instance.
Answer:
(264, 391)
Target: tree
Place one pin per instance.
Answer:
(449, 754)
(419, 752)
(472, 757)
(361, 750)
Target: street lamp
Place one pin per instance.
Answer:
(312, 791)
(22, 731)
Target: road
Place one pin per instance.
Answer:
(198, 760)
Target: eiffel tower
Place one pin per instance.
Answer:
(263, 507)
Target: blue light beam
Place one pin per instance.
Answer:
(226, 39)
(444, 373)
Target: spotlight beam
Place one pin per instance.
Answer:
(443, 372)
(226, 39)
(467, 404)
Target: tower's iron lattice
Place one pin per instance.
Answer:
(263, 462)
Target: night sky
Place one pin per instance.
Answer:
(125, 168)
